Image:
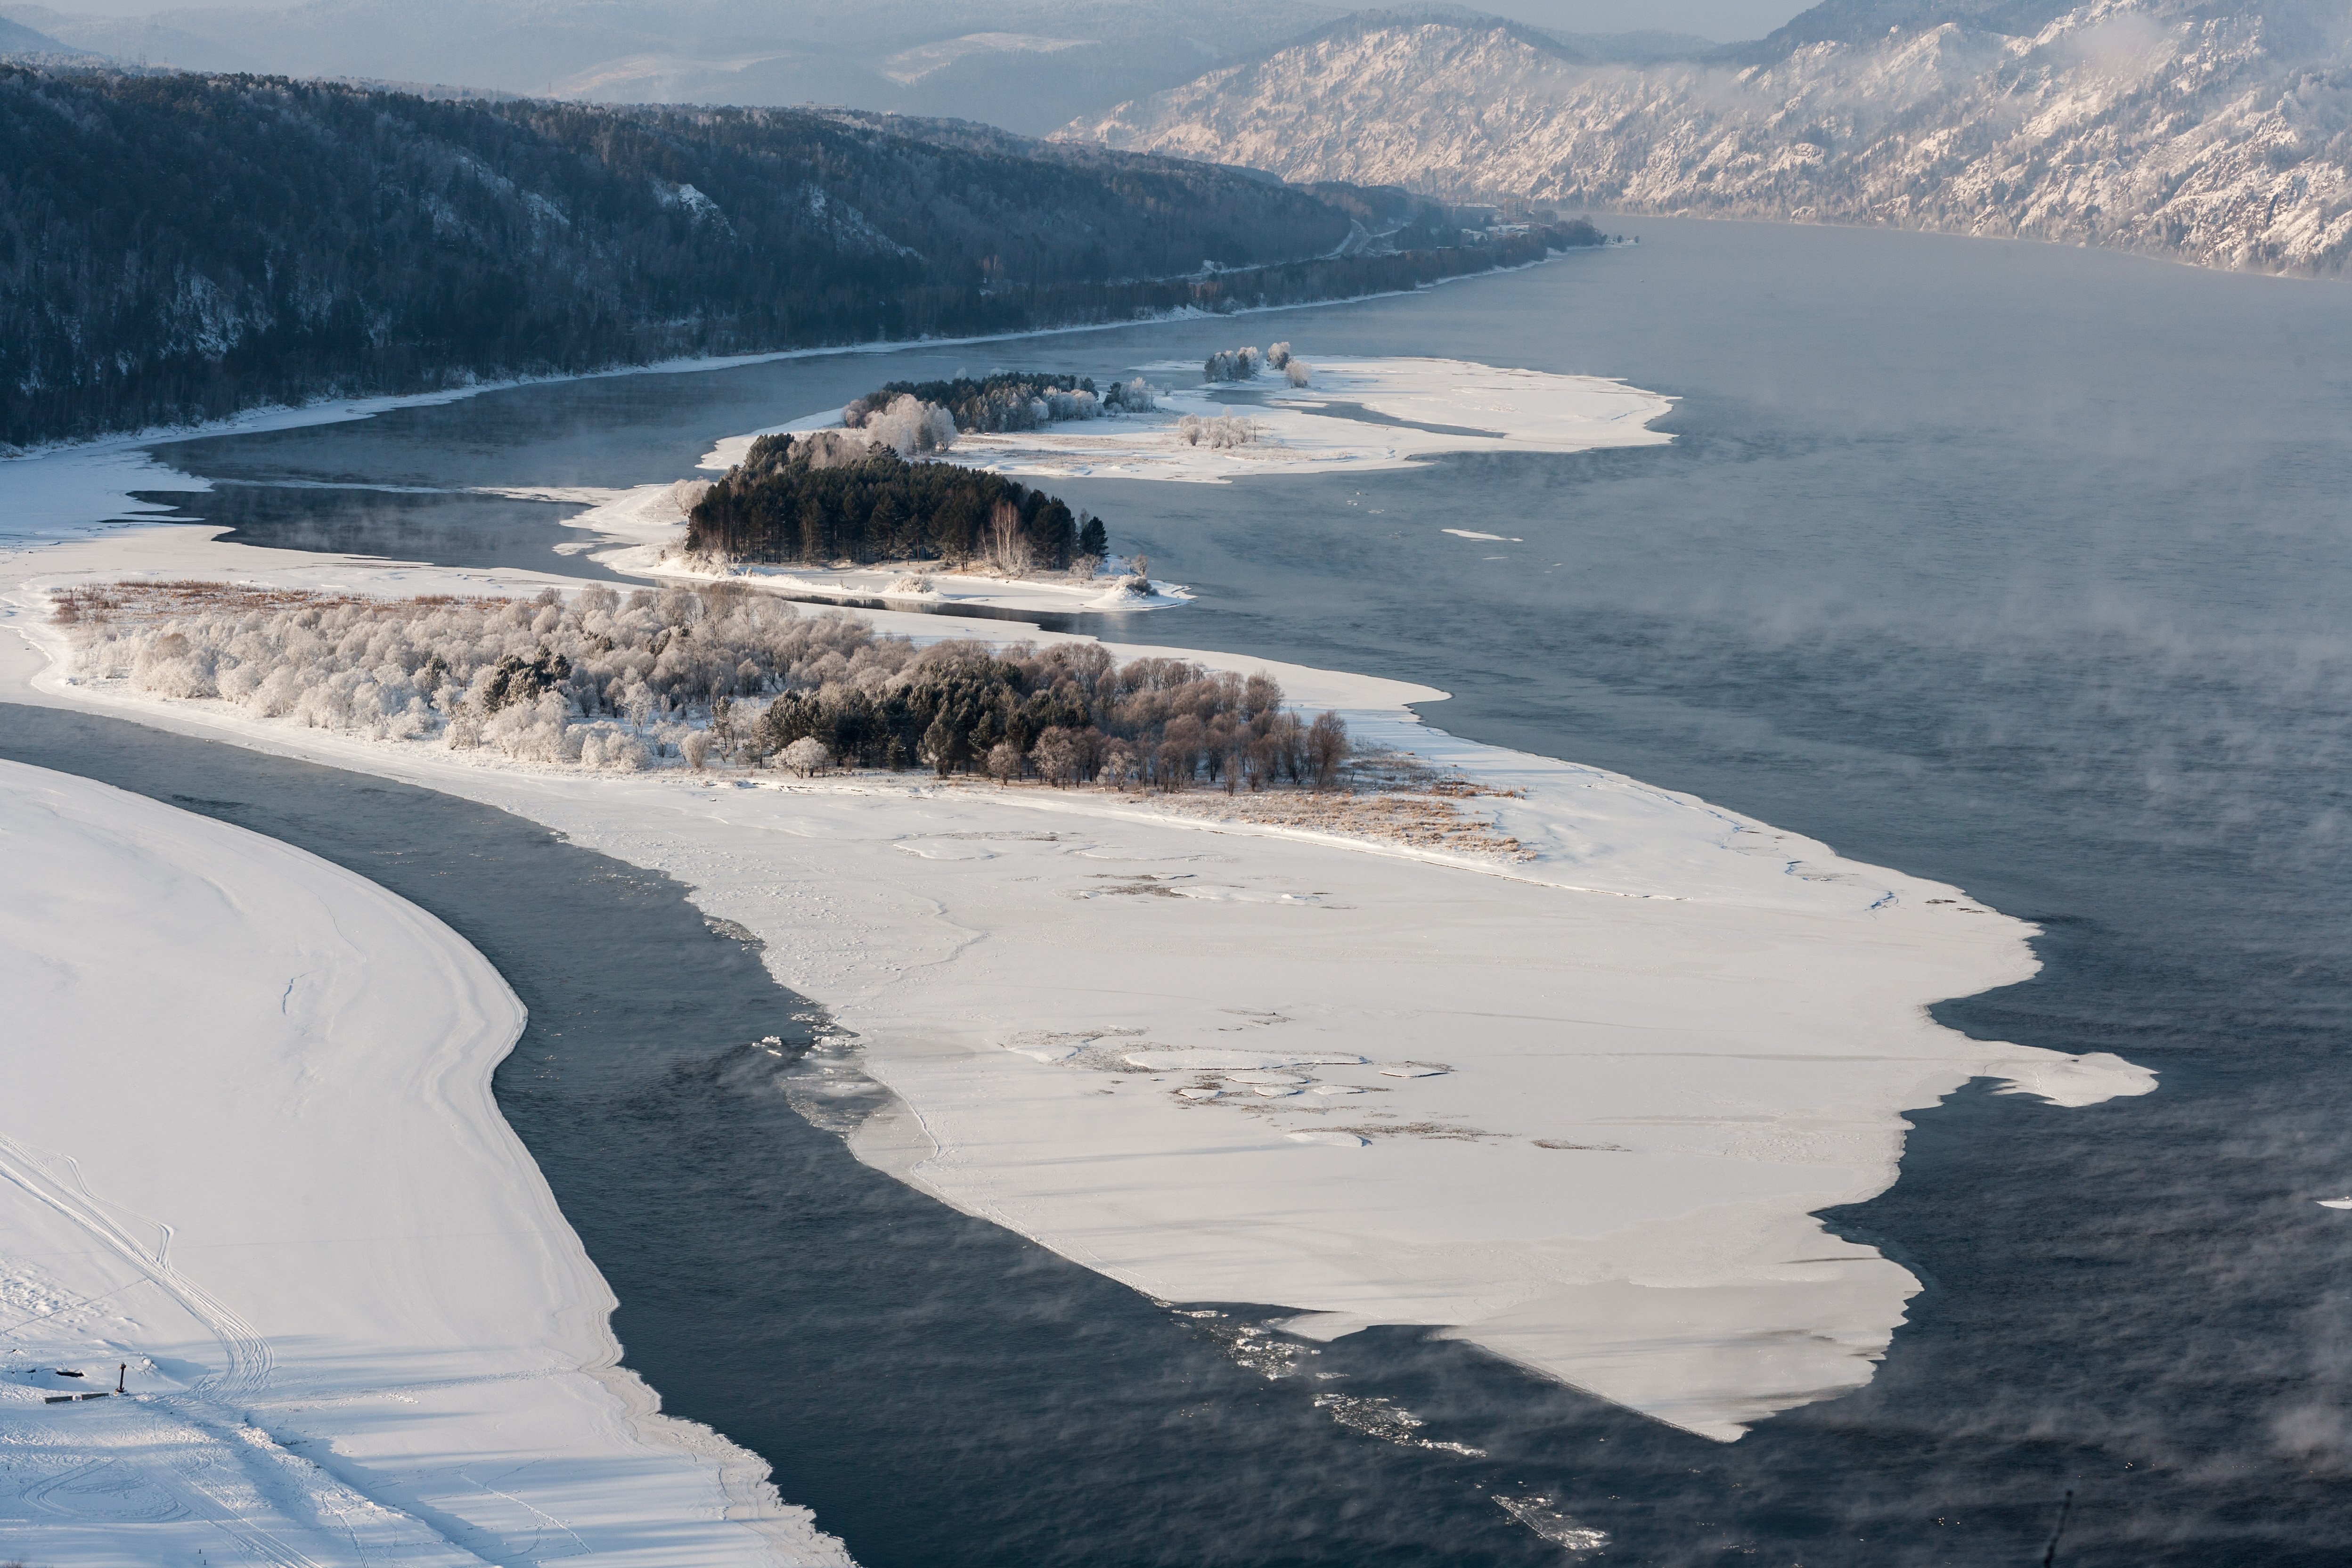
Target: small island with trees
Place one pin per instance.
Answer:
(876, 490)
(821, 498)
(725, 676)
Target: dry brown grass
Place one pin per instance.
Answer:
(103, 605)
(1394, 797)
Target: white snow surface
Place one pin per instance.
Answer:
(1665, 1041)
(1047, 593)
(249, 1148)
(1360, 416)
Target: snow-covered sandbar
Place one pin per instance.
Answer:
(249, 1148)
(1577, 1107)
(1355, 414)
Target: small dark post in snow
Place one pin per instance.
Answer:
(121, 1371)
(2049, 1558)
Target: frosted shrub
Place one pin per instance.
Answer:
(911, 427)
(1300, 373)
(618, 749)
(1136, 396)
(1277, 356)
(1059, 406)
(170, 666)
(1216, 430)
(1233, 364)
(806, 755)
(586, 683)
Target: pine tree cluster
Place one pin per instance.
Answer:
(817, 499)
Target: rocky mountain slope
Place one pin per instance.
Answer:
(2221, 132)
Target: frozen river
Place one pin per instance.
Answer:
(2017, 567)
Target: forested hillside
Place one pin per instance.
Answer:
(176, 246)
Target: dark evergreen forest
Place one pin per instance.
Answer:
(1004, 400)
(179, 246)
(805, 500)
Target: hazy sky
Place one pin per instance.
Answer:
(1724, 19)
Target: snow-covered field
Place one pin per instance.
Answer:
(903, 584)
(248, 1153)
(1577, 1109)
(1357, 415)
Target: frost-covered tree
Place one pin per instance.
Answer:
(912, 428)
(1216, 431)
(1059, 756)
(685, 679)
(1135, 397)
(806, 755)
(1233, 364)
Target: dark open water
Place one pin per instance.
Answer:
(2020, 567)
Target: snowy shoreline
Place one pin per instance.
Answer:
(1666, 1040)
(336, 410)
(250, 1152)
(1356, 414)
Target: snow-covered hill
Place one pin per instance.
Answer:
(2222, 132)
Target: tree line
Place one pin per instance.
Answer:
(1068, 714)
(1008, 400)
(686, 676)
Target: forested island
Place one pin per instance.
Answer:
(176, 246)
(682, 677)
(824, 497)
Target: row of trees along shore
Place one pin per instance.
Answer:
(1008, 400)
(176, 247)
(822, 498)
(683, 678)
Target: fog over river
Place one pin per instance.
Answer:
(2019, 567)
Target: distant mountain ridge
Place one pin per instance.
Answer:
(2221, 132)
(18, 41)
(1027, 65)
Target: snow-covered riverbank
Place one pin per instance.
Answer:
(249, 1149)
(1355, 414)
(1577, 1109)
